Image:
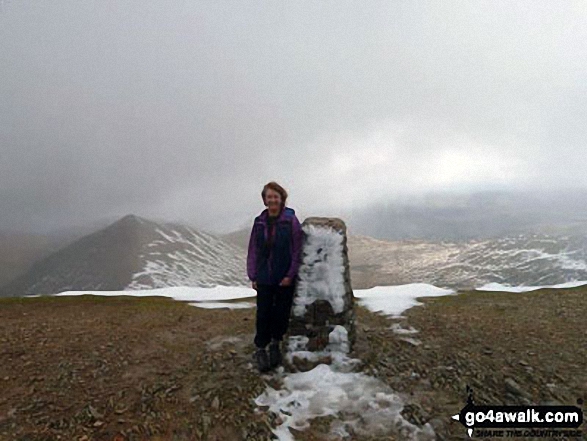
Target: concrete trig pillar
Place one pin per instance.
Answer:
(322, 321)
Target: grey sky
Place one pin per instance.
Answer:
(184, 109)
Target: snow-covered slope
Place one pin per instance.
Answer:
(135, 253)
(518, 260)
(528, 259)
(182, 256)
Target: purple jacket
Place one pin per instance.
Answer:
(269, 265)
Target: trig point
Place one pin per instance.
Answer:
(322, 321)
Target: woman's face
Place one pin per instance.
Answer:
(272, 200)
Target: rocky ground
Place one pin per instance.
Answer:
(105, 368)
(509, 348)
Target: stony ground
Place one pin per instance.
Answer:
(509, 348)
(105, 368)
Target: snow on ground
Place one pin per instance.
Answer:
(200, 297)
(398, 329)
(507, 288)
(230, 305)
(394, 300)
(362, 404)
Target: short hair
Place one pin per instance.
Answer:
(275, 187)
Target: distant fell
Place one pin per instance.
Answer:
(134, 253)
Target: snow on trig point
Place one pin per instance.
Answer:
(322, 323)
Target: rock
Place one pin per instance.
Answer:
(437, 424)
(515, 389)
(551, 403)
(94, 413)
(426, 384)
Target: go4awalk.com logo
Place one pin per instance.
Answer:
(520, 421)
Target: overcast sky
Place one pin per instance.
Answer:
(185, 109)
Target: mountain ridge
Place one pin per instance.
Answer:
(134, 253)
(137, 253)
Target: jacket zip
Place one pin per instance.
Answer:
(267, 234)
(291, 244)
(272, 234)
(269, 263)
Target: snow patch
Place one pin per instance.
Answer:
(364, 405)
(217, 342)
(507, 288)
(394, 300)
(398, 329)
(229, 305)
(412, 341)
(181, 293)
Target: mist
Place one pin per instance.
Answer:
(183, 112)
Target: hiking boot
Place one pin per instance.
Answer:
(274, 354)
(262, 360)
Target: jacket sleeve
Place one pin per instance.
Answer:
(296, 249)
(252, 257)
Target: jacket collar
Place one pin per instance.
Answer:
(284, 212)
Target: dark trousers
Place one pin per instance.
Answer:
(274, 304)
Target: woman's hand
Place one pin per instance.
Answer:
(285, 282)
(255, 286)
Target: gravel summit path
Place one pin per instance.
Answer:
(121, 368)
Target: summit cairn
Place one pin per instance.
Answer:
(322, 323)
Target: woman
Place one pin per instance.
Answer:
(272, 265)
